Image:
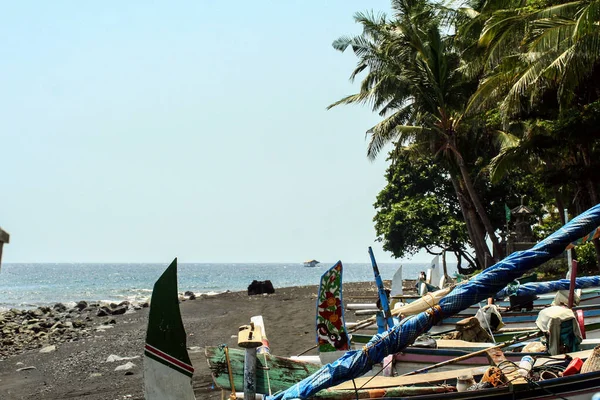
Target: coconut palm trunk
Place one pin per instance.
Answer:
(477, 204)
(473, 228)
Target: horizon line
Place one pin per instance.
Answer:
(204, 262)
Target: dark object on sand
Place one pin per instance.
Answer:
(4, 238)
(260, 287)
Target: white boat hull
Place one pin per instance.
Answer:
(164, 383)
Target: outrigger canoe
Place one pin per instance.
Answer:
(355, 363)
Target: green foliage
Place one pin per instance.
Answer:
(547, 225)
(553, 269)
(502, 97)
(418, 209)
(586, 259)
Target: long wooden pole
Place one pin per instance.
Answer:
(250, 374)
(569, 254)
(572, 283)
(475, 353)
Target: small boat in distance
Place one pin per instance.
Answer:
(311, 263)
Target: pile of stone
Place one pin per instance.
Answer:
(22, 330)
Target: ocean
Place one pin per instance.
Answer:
(32, 285)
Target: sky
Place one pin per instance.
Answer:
(137, 131)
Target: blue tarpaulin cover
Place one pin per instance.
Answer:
(534, 288)
(489, 282)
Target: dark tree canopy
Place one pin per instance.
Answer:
(418, 209)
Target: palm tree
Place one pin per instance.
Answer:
(413, 82)
(530, 51)
(531, 55)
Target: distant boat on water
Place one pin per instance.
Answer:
(311, 263)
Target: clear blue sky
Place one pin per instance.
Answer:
(135, 132)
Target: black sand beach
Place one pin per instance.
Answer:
(79, 369)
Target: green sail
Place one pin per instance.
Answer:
(166, 337)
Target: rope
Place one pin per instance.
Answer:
(534, 383)
(267, 369)
(435, 313)
(355, 389)
(371, 378)
(530, 381)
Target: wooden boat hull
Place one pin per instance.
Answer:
(592, 323)
(574, 387)
(509, 318)
(588, 297)
(276, 373)
(285, 372)
(522, 325)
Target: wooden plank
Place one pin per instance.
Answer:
(459, 344)
(431, 377)
(282, 372)
(579, 354)
(380, 393)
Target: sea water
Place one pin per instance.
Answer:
(32, 285)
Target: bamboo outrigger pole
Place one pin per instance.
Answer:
(475, 353)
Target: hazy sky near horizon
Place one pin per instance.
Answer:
(138, 131)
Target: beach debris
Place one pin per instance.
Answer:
(26, 368)
(129, 365)
(114, 357)
(94, 375)
(102, 328)
(48, 349)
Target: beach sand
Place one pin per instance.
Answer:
(79, 370)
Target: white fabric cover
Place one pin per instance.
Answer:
(562, 298)
(422, 304)
(484, 315)
(549, 321)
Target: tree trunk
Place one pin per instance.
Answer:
(593, 195)
(478, 206)
(560, 205)
(594, 199)
(478, 243)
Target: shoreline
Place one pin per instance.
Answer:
(183, 296)
(78, 366)
(70, 303)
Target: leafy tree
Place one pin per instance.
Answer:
(418, 210)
